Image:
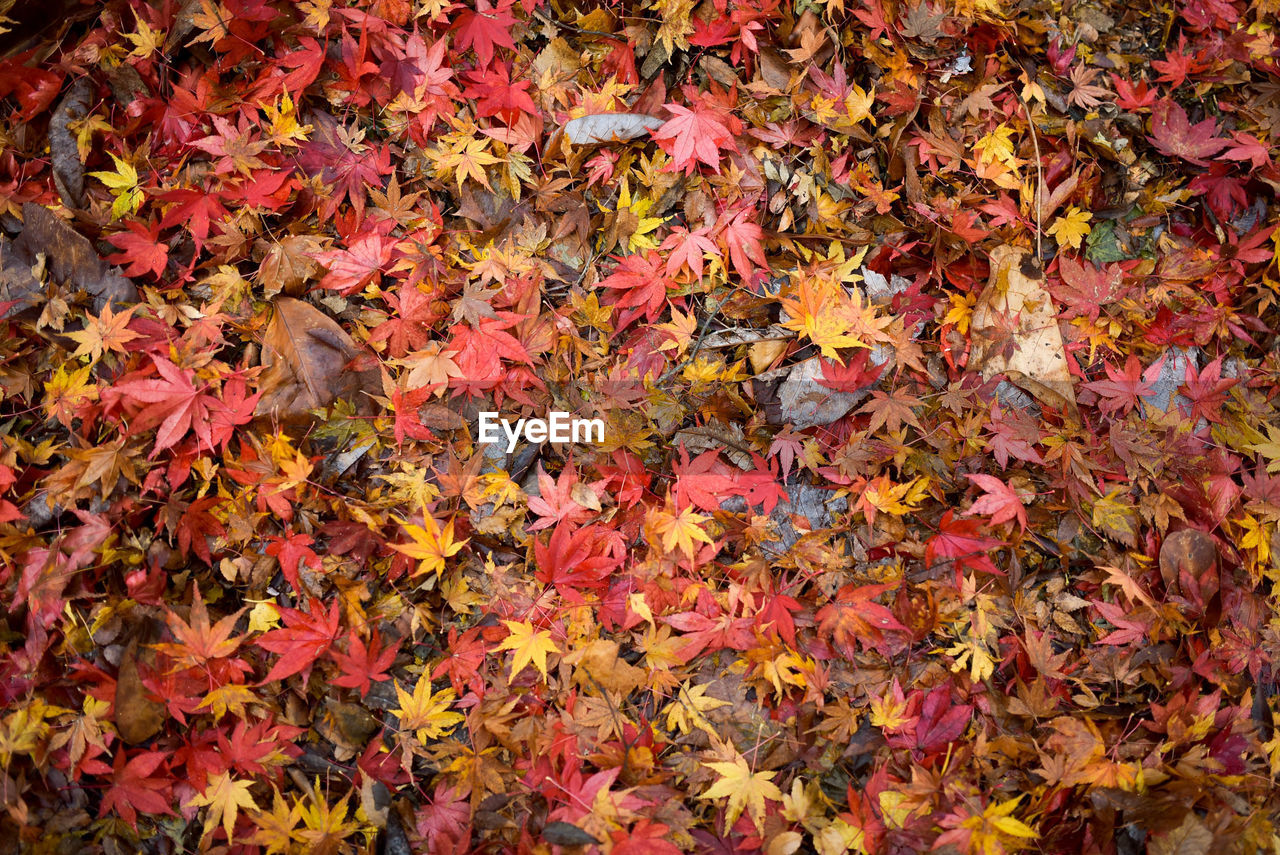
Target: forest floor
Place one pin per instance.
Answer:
(932, 348)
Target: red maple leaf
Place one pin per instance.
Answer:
(704, 482)
(362, 664)
(555, 503)
(140, 248)
(291, 551)
(484, 29)
(304, 639)
(694, 136)
(1207, 391)
(999, 501)
(173, 402)
(411, 328)
(1125, 387)
(642, 281)
(582, 558)
(135, 786)
(744, 240)
(1175, 136)
(959, 540)
(855, 616)
(941, 722)
(352, 268)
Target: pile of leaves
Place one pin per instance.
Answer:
(935, 344)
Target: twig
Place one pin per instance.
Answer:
(1038, 201)
(693, 354)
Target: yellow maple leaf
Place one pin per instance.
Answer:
(276, 827)
(325, 827)
(686, 711)
(425, 713)
(1270, 450)
(679, 530)
(431, 545)
(528, 646)
(123, 184)
(993, 822)
(224, 797)
(465, 158)
(746, 790)
(815, 313)
(66, 391)
(1071, 227)
(997, 147)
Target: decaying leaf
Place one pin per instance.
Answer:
(307, 362)
(1015, 331)
(70, 258)
(609, 127)
(68, 170)
(138, 718)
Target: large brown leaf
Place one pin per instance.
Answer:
(309, 362)
(1015, 331)
(71, 258)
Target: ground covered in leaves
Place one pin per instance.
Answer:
(935, 345)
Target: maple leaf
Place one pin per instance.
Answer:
(528, 646)
(815, 313)
(431, 544)
(679, 530)
(686, 712)
(173, 402)
(891, 410)
(1071, 228)
(305, 637)
(693, 137)
(362, 664)
(960, 540)
(276, 827)
(136, 787)
(1174, 135)
(465, 158)
(124, 186)
(644, 281)
(353, 267)
(141, 249)
(485, 28)
(107, 333)
(224, 798)
(417, 313)
(744, 241)
(702, 482)
(199, 642)
(428, 714)
(564, 499)
(577, 558)
(746, 790)
(236, 147)
(854, 615)
(1124, 388)
(998, 500)
(1206, 390)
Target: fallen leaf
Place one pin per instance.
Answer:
(609, 127)
(307, 360)
(1035, 358)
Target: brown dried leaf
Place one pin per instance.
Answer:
(289, 265)
(138, 718)
(1038, 362)
(68, 171)
(307, 360)
(70, 257)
